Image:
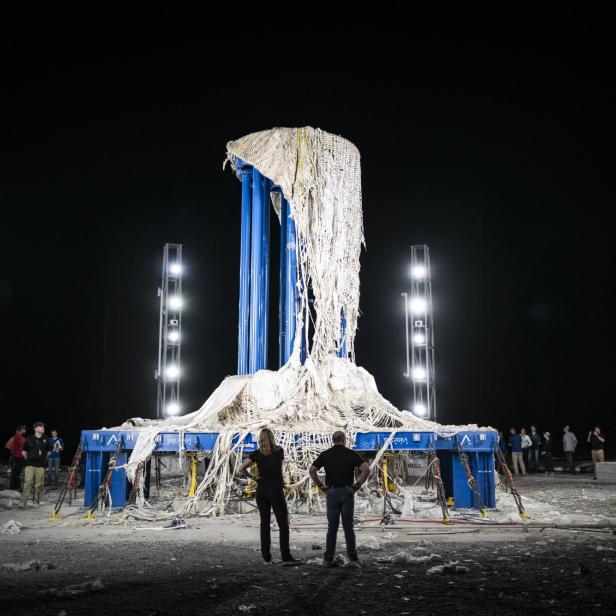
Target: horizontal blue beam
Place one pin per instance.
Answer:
(107, 440)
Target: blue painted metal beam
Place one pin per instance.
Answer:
(264, 291)
(282, 295)
(288, 283)
(342, 349)
(244, 304)
(256, 273)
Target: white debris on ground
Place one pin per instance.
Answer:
(11, 527)
(73, 590)
(9, 498)
(37, 565)
(451, 567)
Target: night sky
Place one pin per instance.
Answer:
(488, 137)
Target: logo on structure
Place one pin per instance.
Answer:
(112, 439)
(465, 440)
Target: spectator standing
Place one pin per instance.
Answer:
(526, 447)
(546, 454)
(35, 452)
(569, 444)
(596, 439)
(15, 443)
(533, 454)
(517, 460)
(56, 445)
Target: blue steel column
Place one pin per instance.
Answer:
(264, 303)
(342, 350)
(282, 301)
(288, 282)
(243, 341)
(255, 271)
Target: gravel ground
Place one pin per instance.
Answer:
(213, 567)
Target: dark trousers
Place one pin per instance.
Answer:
(569, 461)
(340, 504)
(16, 468)
(533, 459)
(270, 495)
(548, 463)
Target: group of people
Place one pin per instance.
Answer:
(339, 463)
(531, 451)
(33, 455)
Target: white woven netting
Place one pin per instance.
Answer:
(319, 174)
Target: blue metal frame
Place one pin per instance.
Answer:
(342, 350)
(98, 445)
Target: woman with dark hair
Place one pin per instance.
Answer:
(270, 494)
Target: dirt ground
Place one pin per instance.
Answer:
(214, 566)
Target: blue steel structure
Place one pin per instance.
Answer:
(99, 445)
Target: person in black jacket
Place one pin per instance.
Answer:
(270, 494)
(546, 454)
(34, 451)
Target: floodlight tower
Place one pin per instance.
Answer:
(420, 334)
(168, 374)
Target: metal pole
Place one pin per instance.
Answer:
(255, 271)
(407, 374)
(342, 349)
(291, 281)
(242, 344)
(282, 304)
(264, 303)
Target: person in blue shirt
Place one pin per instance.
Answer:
(515, 442)
(56, 445)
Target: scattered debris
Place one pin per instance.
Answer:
(247, 608)
(37, 565)
(450, 567)
(9, 498)
(370, 543)
(316, 547)
(411, 559)
(11, 527)
(73, 590)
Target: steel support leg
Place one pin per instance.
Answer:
(244, 304)
(264, 291)
(256, 272)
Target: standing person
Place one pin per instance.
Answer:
(596, 439)
(56, 445)
(569, 444)
(526, 446)
(270, 494)
(517, 460)
(15, 443)
(340, 464)
(546, 454)
(35, 452)
(533, 454)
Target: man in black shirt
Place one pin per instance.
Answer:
(597, 440)
(340, 464)
(34, 451)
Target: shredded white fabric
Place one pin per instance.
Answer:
(319, 174)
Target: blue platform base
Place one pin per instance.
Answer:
(99, 445)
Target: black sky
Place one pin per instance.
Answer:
(488, 137)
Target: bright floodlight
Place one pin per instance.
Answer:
(419, 409)
(419, 271)
(173, 336)
(419, 339)
(175, 269)
(419, 374)
(172, 372)
(173, 408)
(175, 302)
(418, 305)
